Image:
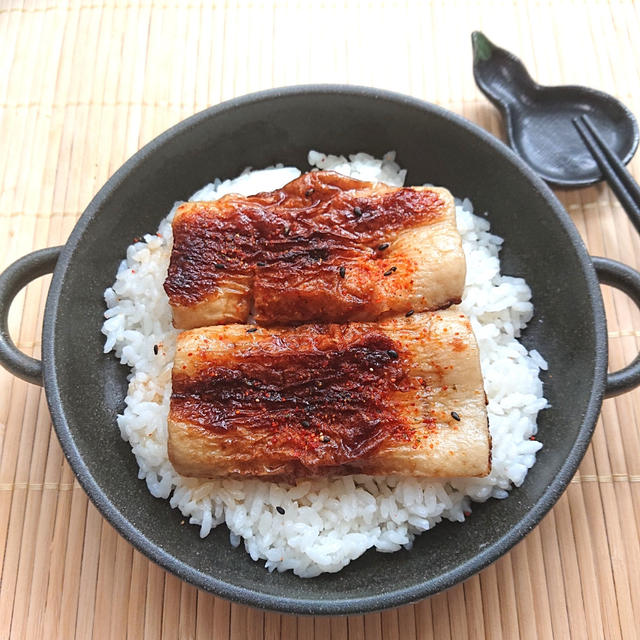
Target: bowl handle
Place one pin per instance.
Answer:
(627, 279)
(12, 279)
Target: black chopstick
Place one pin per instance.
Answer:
(618, 177)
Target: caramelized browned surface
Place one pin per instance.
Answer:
(307, 252)
(319, 400)
(321, 397)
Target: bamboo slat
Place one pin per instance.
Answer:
(83, 85)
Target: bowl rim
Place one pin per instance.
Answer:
(309, 606)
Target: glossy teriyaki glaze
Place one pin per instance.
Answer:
(322, 397)
(331, 399)
(313, 250)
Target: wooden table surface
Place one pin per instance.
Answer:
(83, 85)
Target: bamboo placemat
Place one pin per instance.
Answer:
(84, 84)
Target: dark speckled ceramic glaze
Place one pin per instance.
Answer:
(86, 388)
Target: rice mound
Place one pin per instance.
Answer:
(327, 522)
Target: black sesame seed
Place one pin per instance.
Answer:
(326, 438)
(383, 246)
(252, 329)
(394, 269)
(392, 354)
(308, 192)
(357, 212)
(155, 349)
(261, 264)
(343, 271)
(305, 423)
(455, 416)
(409, 313)
(220, 266)
(388, 273)
(280, 510)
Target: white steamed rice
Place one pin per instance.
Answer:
(327, 522)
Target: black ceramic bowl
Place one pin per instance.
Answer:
(85, 388)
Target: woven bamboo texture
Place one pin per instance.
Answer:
(83, 85)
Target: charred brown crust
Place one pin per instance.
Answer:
(315, 229)
(319, 398)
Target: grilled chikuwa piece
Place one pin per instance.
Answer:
(324, 248)
(403, 396)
